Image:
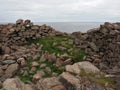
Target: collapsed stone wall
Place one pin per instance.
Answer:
(102, 45)
(23, 31)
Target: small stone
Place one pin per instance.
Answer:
(7, 50)
(54, 74)
(73, 68)
(47, 69)
(59, 62)
(42, 73)
(33, 69)
(1, 72)
(68, 61)
(19, 21)
(70, 80)
(22, 62)
(12, 69)
(62, 48)
(25, 73)
(43, 65)
(35, 27)
(42, 59)
(36, 77)
(8, 61)
(35, 64)
(28, 87)
(4, 67)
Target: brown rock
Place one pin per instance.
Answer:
(12, 69)
(36, 77)
(19, 21)
(7, 50)
(70, 81)
(35, 64)
(15, 84)
(50, 84)
(1, 72)
(22, 62)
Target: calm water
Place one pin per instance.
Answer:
(72, 26)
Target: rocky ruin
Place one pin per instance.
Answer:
(34, 57)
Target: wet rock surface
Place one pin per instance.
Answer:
(46, 59)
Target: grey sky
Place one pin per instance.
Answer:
(60, 10)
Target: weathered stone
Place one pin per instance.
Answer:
(73, 68)
(7, 50)
(1, 72)
(15, 84)
(22, 62)
(12, 69)
(35, 27)
(43, 58)
(8, 61)
(36, 77)
(50, 84)
(88, 67)
(70, 81)
(48, 69)
(35, 64)
(43, 65)
(19, 21)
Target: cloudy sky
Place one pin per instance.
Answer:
(60, 10)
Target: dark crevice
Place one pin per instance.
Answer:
(1, 51)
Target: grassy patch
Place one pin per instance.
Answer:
(100, 80)
(52, 45)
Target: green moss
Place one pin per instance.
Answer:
(101, 80)
(47, 43)
(78, 56)
(104, 80)
(53, 69)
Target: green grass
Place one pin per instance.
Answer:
(101, 80)
(76, 55)
(47, 43)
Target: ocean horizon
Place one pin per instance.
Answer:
(69, 27)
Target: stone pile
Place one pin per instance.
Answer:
(102, 45)
(23, 31)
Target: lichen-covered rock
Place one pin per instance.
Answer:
(50, 84)
(15, 84)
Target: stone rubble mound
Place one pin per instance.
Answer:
(102, 45)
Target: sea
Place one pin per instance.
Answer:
(70, 27)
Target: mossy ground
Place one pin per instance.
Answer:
(101, 79)
(75, 54)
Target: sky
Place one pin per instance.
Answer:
(60, 10)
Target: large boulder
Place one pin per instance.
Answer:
(15, 84)
(78, 67)
(50, 84)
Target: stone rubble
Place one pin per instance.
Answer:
(101, 45)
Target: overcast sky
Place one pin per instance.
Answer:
(60, 10)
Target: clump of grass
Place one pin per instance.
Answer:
(100, 80)
(78, 56)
